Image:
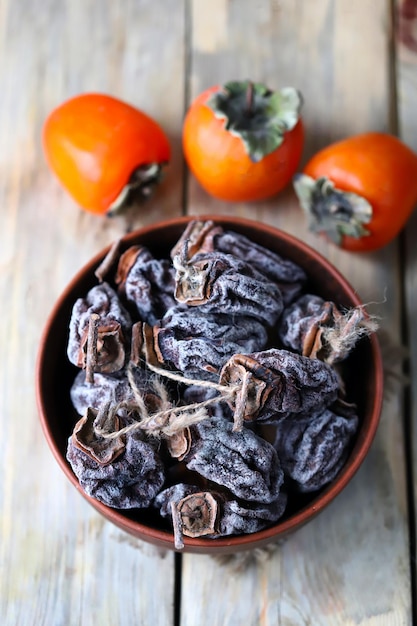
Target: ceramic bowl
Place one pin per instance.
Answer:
(54, 376)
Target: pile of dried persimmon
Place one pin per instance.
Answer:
(210, 383)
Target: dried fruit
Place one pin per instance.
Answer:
(196, 394)
(146, 282)
(201, 237)
(130, 480)
(221, 283)
(281, 383)
(214, 322)
(87, 435)
(111, 332)
(198, 344)
(115, 389)
(313, 448)
(201, 513)
(241, 461)
(318, 329)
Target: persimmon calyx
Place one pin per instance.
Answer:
(198, 514)
(140, 186)
(333, 211)
(258, 116)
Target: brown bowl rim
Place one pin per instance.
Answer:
(219, 545)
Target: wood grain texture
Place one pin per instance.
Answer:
(406, 37)
(60, 563)
(351, 565)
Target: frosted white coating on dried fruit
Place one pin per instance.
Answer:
(313, 448)
(318, 329)
(231, 516)
(282, 383)
(241, 461)
(214, 320)
(146, 282)
(113, 329)
(114, 388)
(198, 344)
(207, 236)
(131, 481)
(221, 283)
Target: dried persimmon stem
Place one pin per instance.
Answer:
(240, 405)
(177, 527)
(91, 356)
(137, 343)
(183, 255)
(108, 261)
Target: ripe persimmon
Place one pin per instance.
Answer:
(243, 141)
(359, 191)
(101, 149)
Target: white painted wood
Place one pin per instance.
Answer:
(60, 563)
(351, 565)
(406, 36)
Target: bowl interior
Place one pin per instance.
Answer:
(55, 374)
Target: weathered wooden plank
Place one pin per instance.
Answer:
(406, 35)
(351, 564)
(60, 562)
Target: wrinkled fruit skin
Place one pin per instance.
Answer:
(102, 300)
(93, 143)
(240, 461)
(198, 343)
(113, 387)
(314, 448)
(233, 516)
(149, 284)
(234, 287)
(221, 165)
(245, 426)
(132, 481)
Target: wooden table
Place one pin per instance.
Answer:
(61, 564)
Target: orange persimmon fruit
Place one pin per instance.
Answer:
(359, 191)
(102, 149)
(243, 141)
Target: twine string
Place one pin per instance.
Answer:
(170, 420)
(348, 329)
